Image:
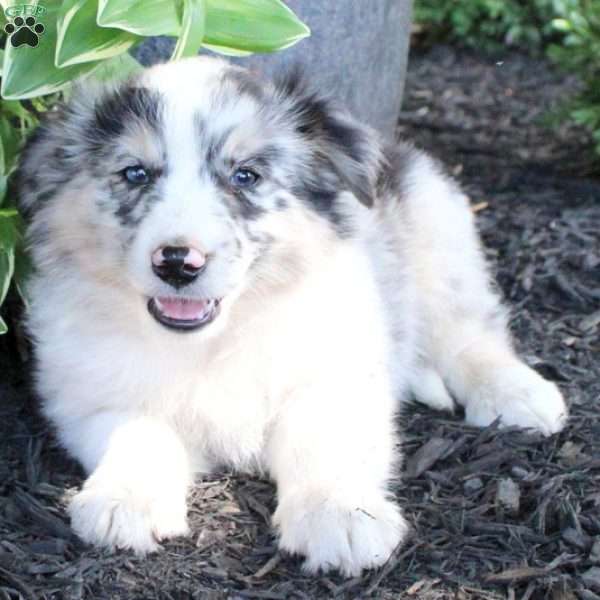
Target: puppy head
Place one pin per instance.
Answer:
(193, 185)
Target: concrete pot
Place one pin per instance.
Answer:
(357, 52)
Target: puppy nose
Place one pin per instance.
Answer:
(178, 265)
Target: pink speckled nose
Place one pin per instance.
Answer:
(188, 254)
(178, 265)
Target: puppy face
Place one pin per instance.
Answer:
(193, 185)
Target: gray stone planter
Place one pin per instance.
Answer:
(357, 52)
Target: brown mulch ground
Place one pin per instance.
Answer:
(496, 514)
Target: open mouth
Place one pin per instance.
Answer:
(183, 314)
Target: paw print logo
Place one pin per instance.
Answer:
(24, 31)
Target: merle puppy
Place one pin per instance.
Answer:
(232, 272)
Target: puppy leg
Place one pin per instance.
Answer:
(465, 336)
(136, 493)
(331, 454)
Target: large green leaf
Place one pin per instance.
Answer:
(30, 71)
(141, 17)
(231, 27)
(79, 39)
(192, 29)
(252, 25)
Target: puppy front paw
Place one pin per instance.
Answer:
(519, 396)
(116, 516)
(336, 532)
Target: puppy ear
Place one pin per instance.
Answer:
(53, 153)
(351, 150)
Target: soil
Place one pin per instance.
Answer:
(495, 513)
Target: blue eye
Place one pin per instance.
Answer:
(136, 175)
(244, 178)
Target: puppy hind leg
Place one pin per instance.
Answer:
(491, 382)
(464, 331)
(469, 346)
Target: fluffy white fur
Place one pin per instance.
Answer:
(299, 377)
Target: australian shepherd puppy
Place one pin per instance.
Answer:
(235, 273)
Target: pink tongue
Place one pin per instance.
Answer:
(178, 308)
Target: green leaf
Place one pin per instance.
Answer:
(79, 39)
(141, 17)
(562, 25)
(192, 29)
(3, 327)
(29, 72)
(9, 233)
(2, 161)
(118, 67)
(225, 51)
(3, 187)
(233, 25)
(14, 108)
(252, 25)
(11, 142)
(7, 267)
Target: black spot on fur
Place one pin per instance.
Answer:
(199, 126)
(247, 83)
(281, 203)
(131, 204)
(114, 112)
(213, 148)
(264, 159)
(323, 200)
(242, 207)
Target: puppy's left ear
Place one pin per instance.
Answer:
(351, 150)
